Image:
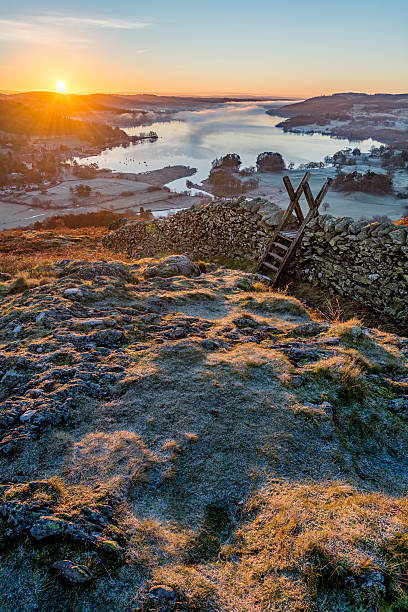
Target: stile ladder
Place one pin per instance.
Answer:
(284, 243)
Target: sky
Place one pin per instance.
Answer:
(246, 47)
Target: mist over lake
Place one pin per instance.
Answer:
(196, 138)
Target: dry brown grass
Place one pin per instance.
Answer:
(304, 542)
(25, 250)
(346, 372)
(115, 460)
(275, 303)
(347, 329)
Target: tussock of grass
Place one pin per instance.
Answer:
(41, 491)
(348, 330)
(182, 351)
(243, 359)
(381, 355)
(196, 591)
(259, 287)
(116, 460)
(346, 373)
(277, 304)
(21, 283)
(190, 295)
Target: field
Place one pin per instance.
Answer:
(108, 191)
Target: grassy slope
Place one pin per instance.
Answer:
(249, 477)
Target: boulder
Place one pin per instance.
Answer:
(174, 265)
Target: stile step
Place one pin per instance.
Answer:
(276, 256)
(268, 265)
(289, 233)
(288, 238)
(280, 245)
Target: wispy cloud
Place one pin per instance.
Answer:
(89, 22)
(60, 29)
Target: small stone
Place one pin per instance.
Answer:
(356, 332)
(209, 345)
(72, 572)
(343, 224)
(40, 316)
(27, 416)
(399, 236)
(177, 332)
(162, 592)
(73, 292)
(108, 338)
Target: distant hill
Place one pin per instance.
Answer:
(49, 118)
(123, 101)
(355, 116)
(70, 103)
(341, 103)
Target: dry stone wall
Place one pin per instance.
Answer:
(363, 261)
(234, 229)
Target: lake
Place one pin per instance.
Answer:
(196, 138)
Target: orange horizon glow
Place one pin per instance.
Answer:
(86, 75)
(61, 88)
(91, 79)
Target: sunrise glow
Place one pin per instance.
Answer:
(60, 86)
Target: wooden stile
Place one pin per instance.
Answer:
(288, 240)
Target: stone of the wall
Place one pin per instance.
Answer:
(367, 262)
(234, 229)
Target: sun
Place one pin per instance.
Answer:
(60, 86)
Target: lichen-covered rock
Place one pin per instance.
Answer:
(174, 265)
(72, 572)
(31, 509)
(86, 270)
(47, 527)
(310, 329)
